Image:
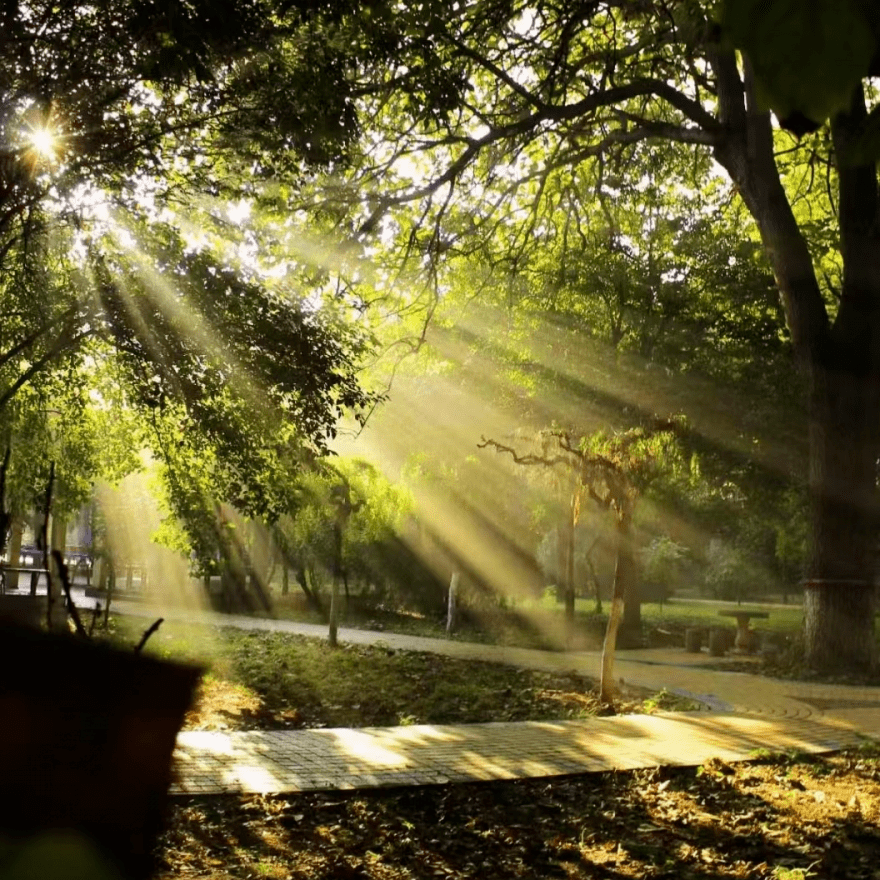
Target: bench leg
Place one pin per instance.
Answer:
(743, 637)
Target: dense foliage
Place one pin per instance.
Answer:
(126, 133)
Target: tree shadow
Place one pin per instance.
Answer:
(609, 826)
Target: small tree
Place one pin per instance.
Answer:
(731, 574)
(661, 564)
(612, 470)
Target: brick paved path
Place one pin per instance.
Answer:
(746, 713)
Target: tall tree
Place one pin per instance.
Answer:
(127, 134)
(485, 100)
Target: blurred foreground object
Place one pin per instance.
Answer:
(88, 733)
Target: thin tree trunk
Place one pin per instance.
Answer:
(334, 613)
(622, 574)
(632, 607)
(569, 573)
(111, 586)
(451, 603)
(595, 577)
(626, 565)
(310, 594)
(334, 590)
(15, 536)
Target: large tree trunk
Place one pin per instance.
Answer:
(839, 592)
(841, 360)
(845, 428)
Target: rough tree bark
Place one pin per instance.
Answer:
(841, 360)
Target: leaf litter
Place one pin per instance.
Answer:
(759, 819)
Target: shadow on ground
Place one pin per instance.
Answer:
(782, 817)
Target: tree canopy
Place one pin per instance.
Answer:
(480, 106)
(579, 161)
(128, 133)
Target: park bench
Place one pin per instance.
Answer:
(33, 572)
(745, 637)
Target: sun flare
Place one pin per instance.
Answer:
(44, 141)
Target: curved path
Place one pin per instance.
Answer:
(745, 713)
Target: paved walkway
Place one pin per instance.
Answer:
(745, 713)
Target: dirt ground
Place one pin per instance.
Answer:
(780, 816)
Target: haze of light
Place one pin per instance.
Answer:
(470, 518)
(478, 504)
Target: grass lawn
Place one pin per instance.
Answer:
(276, 680)
(540, 623)
(685, 613)
(782, 817)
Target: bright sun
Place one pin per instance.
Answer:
(44, 141)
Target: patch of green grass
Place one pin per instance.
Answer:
(666, 701)
(302, 682)
(867, 750)
(786, 757)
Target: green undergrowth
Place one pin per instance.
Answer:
(302, 682)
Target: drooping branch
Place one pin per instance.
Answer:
(32, 338)
(62, 344)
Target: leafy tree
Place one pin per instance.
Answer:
(611, 470)
(344, 510)
(126, 133)
(730, 574)
(485, 101)
(662, 561)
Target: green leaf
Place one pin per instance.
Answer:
(807, 56)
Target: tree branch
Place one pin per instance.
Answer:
(60, 346)
(524, 459)
(28, 341)
(564, 113)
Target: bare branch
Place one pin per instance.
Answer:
(525, 459)
(497, 72)
(147, 633)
